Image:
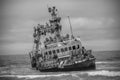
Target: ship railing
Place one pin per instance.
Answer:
(60, 43)
(63, 56)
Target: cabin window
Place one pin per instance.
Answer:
(45, 53)
(73, 47)
(66, 49)
(58, 50)
(50, 52)
(53, 51)
(78, 46)
(62, 50)
(70, 48)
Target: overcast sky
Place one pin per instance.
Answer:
(97, 22)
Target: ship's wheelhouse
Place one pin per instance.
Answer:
(62, 51)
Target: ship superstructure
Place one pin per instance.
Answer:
(54, 51)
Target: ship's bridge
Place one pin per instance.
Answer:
(62, 44)
(62, 49)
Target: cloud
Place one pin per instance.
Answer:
(95, 33)
(92, 28)
(95, 21)
(102, 45)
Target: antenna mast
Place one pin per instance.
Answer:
(70, 28)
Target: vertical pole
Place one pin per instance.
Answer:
(70, 27)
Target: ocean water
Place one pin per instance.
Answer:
(17, 67)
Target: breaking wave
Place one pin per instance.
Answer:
(91, 73)
(106, 62)
(34, 76)
(104, 73)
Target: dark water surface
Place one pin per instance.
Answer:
(18, 67)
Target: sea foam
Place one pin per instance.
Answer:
(90, 73)
(107, 62)
(35, 76)
(104, 73)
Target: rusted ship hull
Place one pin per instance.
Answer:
(78, 65)
(81, 65)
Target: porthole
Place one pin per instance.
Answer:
(50, 52)
(62, 50)
(58, 50)
(53, 51)
(70, 48)
(66, 49)
(78, 46)
(73, 47)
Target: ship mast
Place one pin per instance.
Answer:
(70, 28)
